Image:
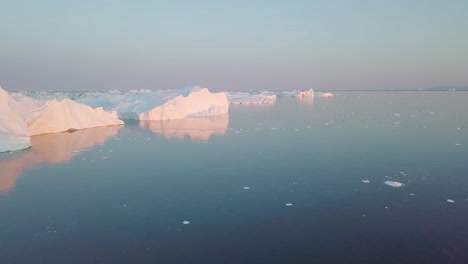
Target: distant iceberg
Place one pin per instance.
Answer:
(251, 98)
(308, 93)
(13, 130)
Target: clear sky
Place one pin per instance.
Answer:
(233, 45)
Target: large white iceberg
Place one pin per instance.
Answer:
(13, 131)
(52, 116)
(251, 98)
(159, 105)
(65, 115)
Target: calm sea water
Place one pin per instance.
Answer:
(121, 194)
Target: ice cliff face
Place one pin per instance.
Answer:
(13, 131)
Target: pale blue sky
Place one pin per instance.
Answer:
(233, 45)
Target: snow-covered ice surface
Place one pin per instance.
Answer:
(13, 131)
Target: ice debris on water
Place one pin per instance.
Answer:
(450, 201)
(365, 181)
(185, 222)
(246, 188)
(394, 184)
(289, 204)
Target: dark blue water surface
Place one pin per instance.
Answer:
(120, 194)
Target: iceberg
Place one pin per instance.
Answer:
(13, 131)
(250, 98)
(308, 93)
(67, 115)
(159, 105)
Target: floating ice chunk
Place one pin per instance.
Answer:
(185, 222)
(450, 201)
(328, 95)
(412, 194)
(246, 188)
(289, 204)
(365, 181)
(394, 184)
(458, 128)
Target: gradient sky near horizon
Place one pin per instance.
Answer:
(233, 45)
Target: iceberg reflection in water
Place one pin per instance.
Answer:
(193, 128)
(51, 149)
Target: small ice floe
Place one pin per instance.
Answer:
(458, 128)
(397, 114)
(412, 194)
(260, 152)
(105, 157)
(450, 201)
(246, 188)
(397, 123)
(394, 184)
(185, 222)
(403, 173)
(110, 150)
(289, 204)
(365, 181)
(386, 207)
(458, 144)
(326, 124)
(124, 205)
